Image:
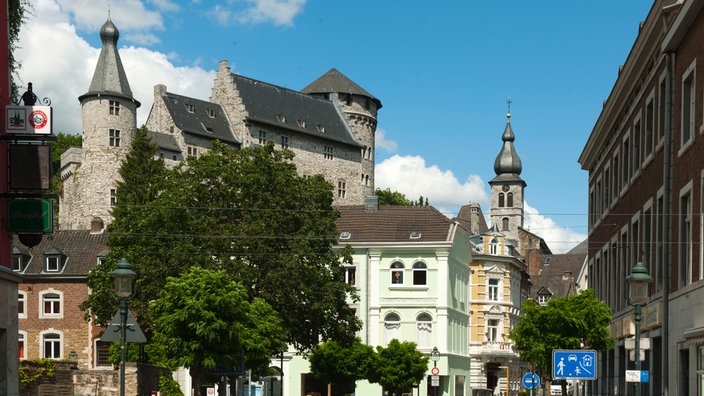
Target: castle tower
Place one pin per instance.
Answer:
(507, 203)
(360, 108)
(109, 113)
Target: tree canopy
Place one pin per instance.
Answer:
(249, 214)
(398, 366)
(204, 321)
(339, 364)
(579, 321)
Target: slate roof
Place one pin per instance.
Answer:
(270, 104)
(164, 141)
(335, 82)
(392, 223)
(198, 122)
(558, 274)
(81, 248)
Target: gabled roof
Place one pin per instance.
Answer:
(335, 82)
(558, 274)
(284, 108)
(192, 116)
(81, 248)
(392, 223)
(164, 141)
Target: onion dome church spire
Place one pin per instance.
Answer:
(508, 163)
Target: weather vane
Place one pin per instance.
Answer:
(508, 104)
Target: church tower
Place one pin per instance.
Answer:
(506, 212)
(109, 113)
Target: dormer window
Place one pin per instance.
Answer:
(190, 108)
(301, 123)
(415, 235)
(54, 260)
(345, 235)
(494, 246)
(211, 113)
(20, 259)
(282, 118)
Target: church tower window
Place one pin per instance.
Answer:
(504, 224)
(509, 200)
(501, 200)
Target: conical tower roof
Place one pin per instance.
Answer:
(109, 76)
(335, 82)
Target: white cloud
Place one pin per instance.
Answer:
(380, 141)
(559, 239)
(89, 15)
(280, 12)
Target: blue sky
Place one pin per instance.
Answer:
(443, 71)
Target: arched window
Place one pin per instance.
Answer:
(425, 330)
(51, 345)
(392, 327)
(504, 224)
(501, 200)
(509, 200)
(50, 304)
(420, 274)
(494, 246)
(397, 273)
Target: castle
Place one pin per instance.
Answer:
(329, 125)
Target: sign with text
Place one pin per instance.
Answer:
(33, 120)
(30, 215)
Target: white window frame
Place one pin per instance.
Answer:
(493, 291)
(649, 129)
(59, 302)
(22, 338)
(688, 107)
(43, 341)
(392, 327)
(637, 157)
(52, 263)
(493, 332)
(22, 302)
(424, 328)
(684, 226)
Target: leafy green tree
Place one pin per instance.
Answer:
(249, 213)
(17, 16)
(342, 365)
(398, 367)
(388, 197)
(579, 321)
(205, 321)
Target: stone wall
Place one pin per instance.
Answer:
(140, 380)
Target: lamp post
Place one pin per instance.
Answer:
(638, 282)
(124, 287)
(435, 356)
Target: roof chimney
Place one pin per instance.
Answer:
(371, 203)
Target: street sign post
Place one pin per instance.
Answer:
(574, 364)
(531, 381)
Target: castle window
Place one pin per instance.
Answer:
(114, 135)
(211, 113)
(302, 123)
(192, 151)
(501, 200)
(189, 107)
(262, 137)
(328, 152)
(284, 142)
(504, 224)
(113, 197)
(341, 189)
(114, 107)
(397, 273)
(509, 200)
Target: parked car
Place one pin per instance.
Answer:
(556, 387)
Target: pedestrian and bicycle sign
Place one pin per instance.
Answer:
(531, 381)
(573, 364)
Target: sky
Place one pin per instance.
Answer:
(444, 72)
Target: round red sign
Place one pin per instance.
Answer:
(38, 119)
(435, 371)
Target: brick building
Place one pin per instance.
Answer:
(646, 178)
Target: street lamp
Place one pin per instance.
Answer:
(435, 356)
(638, 282)
(124, 287)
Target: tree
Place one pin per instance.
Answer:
(398, 367)
(388, 197)
(204, 321)
(17, 16)
(579, 321)
(334, 363)
(250, 214)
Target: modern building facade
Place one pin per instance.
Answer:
(646, 182)
(330, 125)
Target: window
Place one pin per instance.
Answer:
(492, 330)
(53, 264)
(509, 200)
(20, 259)
(504, 224)
(425, 330)
(114, 107)
(493, 290)
(328, 152)
(114, 135)
(22, 304)
(607, 188)
(262, 138)
(616, 181)
(636, 147)
(210, 112)
(688, 97)
(392, 327)
(113, 197)
(662, 108)
(51, 343)
(192, 151)
(189, 107)
(50, 304)
(685, 238)
(649, 125)
(543, 299)
(284, 142)
(341, 189)
(626, 175)
(102, 353)
(501, 200)
(397, 273)
(350, 275)
(22, 345)
(420, 274)
(494, 246)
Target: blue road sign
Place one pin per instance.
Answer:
(531, 380)
(574, 364)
